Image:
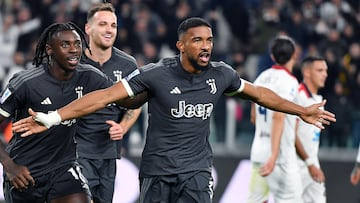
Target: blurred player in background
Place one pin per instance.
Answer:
(314, 72)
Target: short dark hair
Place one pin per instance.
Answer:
(190, 23)
(282, 48)
(100, 7)
(311, 59)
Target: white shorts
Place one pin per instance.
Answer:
(284, 183)
(258, 187)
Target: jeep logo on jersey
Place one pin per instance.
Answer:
(211, 83)
(78, 91)
(68, 122)
(189, 110)
(118, 75)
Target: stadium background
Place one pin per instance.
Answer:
(242, 29)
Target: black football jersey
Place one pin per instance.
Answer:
(180, 105)
(92, 133)
(38, 89)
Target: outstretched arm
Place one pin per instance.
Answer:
(135, 102)
(93, 101)
(87, 104)
(267, 98)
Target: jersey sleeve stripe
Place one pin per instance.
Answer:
(127, 87)
(4, 113)
(241, 88)
(27, 75)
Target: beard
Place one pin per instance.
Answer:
(103, 45)
(194, 63)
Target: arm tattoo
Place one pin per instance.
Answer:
(129, 114)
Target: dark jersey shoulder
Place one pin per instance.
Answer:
(220, 64)
(224, 69)
(119, 65)
(163, 63)
(21, 77)
(123, 55)
(83, 67)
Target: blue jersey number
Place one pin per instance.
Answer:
(262, 111)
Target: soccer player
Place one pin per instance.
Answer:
(43, 168)
(273, 154)
(182, 91)
(314, 71)
(98, 146)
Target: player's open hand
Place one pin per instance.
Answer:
(28, 126)
(317, 116)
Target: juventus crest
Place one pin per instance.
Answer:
(211, 83)
(79, 91)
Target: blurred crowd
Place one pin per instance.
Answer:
(242, 30)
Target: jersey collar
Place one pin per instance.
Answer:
(306, 89)
(278, 67)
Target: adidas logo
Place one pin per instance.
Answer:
(176, 90)
(46, 101)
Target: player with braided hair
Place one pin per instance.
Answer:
(41, 168)
(40, 52)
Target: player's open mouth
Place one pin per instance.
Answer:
(205, 57)
(73, 60)
(107, 37)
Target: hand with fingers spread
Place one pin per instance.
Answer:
(30, 125)
(317, 116)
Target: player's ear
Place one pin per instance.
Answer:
(87, 28)
(180, 46)
(306, 72)
(48, 49)
(272, 57)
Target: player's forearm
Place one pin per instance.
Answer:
(135, 102)
(92, 102)
(130, 118)
(300, 149)
(271, 100)
(252, 113)
(5, 159)
(276, 133)
(83, 106)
